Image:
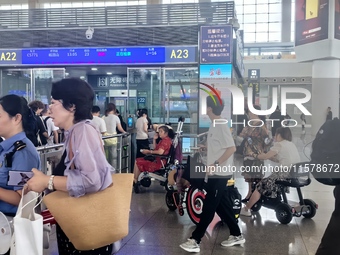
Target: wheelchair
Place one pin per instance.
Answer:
(285, 210)
(161, 175)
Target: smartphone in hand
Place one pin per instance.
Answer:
(19, 178)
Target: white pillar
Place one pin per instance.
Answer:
(325, 91)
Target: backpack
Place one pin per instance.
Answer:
(45, 124)
(325, 155)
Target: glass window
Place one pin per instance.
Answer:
(66, 5)
(249, 18)
(262, 18)
(88, 4)
(249, 27)
(249, 37)
(275, 8)
(262, 8)
(262, 27)
(249, 9)
(274, 27)
(274, 17)
(55, 5)
(111, 3)
(76, 5)
(98, 4)
(262, 37)
(249, 2)
(262, 2)
(275, 37)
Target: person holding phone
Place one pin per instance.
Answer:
(18, 155)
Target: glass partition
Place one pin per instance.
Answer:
(181, 96)
(33, 84)
(18, 82)
(43, 79)
(147, 83)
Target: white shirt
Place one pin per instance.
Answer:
(140, 123)
(99, 123)
(218, 140)
(287, 153)
(50, 125)
(111, 122)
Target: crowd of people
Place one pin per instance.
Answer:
(87, 163)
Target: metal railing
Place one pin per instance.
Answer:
(51, 154)
(138, 15)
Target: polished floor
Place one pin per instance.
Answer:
(154, 230)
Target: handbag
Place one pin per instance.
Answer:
(97, 219)
(110, 141)
(28, 227)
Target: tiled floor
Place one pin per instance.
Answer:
(154, 230)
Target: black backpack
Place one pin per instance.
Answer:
(325, 156)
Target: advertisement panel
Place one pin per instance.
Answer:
(311, 21)
(213, 82)
(337, 20)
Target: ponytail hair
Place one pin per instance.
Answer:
(168, 130)
(13, 105)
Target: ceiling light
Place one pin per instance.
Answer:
(82, 77)
(94, 69)
(67, 74)
(109, 73)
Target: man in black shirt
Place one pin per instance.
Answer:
(42, 136)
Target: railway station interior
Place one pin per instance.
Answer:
(168, 56)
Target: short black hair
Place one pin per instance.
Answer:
(95, 109)
(143, 111)
(36, 104)
(168, 131)
(74, 92)
(215, 105)
(45, 110)
(13, 105)
(285, 133)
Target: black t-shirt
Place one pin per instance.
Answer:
(42, 130)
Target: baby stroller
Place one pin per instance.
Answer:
(190, 196)
(161, 175)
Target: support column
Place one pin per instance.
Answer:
(153, 12)
(325, 91)
(286, 26)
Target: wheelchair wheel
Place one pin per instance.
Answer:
(284, 213)
(312, 210)
(256, 207)
(169, 200)
(194, 204)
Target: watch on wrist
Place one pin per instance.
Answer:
(216, 162)
(50, 183)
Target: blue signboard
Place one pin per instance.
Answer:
(93, 56)
(216, 44)
(98, 56)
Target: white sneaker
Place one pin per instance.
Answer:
(190, 246)
(245, 212)
(233, 240)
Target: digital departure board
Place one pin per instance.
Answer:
(100, 56)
